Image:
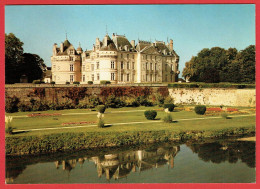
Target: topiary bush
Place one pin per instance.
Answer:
(150, 114)
(101, 109)
(90, 82)
(67, 83)
(52, 82)
(169, 106)
(76, 82)
(101, 123)
(167, 118)
(104, 82)
(200, 109)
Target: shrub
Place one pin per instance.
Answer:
(101, 123)
(103, 82)
(101, 109)
(76, 82)
(168, 100)
(67, 83)
(24, 107)
(90, 82)
(159, 100)
(169, 106)
(200, 109)
(150, 114)
(37, 82)
(114, 102)
(224, 115)
(11, 104)
(167, 118)
(9, 130)
(52, 82)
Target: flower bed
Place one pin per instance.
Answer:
(214, 109)
(42, 115)
(79, 123)
(232, 109)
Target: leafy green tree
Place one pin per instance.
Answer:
(13, 58)
(32, 66)
(220, 65)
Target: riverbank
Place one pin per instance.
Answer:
(34, 138)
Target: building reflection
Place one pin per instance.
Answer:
(119, 165)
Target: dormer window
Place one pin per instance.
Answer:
(71, 51)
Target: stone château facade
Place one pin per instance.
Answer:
(116, 60)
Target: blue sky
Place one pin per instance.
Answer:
(192, 27)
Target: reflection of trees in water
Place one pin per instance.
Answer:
(218, 152)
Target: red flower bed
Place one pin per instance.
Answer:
(42, 115)
(214, 109)
(232, 109)
(79, 123)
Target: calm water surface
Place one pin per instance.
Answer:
(212, 162)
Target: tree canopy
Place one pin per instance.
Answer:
(220, 65)
(18, 63)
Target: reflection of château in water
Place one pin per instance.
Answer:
(121, 164)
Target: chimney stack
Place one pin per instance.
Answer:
(61, 47)
(133, 43)
(171, 45)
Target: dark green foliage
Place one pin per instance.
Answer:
(90, 82)
(169, 106)
(67, 83)
(167, 118)
(101, 109)
(150, 114)
(220, 65)
(52, 82)
(76, 82)
(103, 82)
(200, 109)
(114, 102)
(11, 104)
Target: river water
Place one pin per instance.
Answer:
(225, 161)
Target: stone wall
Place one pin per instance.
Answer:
(207, 96)
(214, 96)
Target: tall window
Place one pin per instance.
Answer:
(71, 78)
(71, 67)
(122, 77)
(146, 66)
(121, 55)
(83, 78)
(83, 67)
(151, 66)
(122, 65)
(133, 56)
(92, 67)
(171, 67)
(127, 65)
(155, 77)
(155, 66)
(112, 76)
(127, 56)
(112, 65)
(146, 77)
(155, 58)
(92, 77)
(127, 77)
(71, 51)
(71, 58)
(151, 77)
(165, 67)
(98, 76)
(97, 65)
(133, 65)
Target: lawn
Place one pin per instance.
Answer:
(185, 120)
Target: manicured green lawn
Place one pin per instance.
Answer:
(124, 115)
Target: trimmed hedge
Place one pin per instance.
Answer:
(101, 109)
(150, 114)
(90, 82)
(103, 82)
(169, 106)
(211, 85)
(200, 109)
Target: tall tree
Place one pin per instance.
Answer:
(13, 58)
(32, 66)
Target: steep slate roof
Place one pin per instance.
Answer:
(150, 50)
(110, 45)
(121, 41)
(141, 45)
